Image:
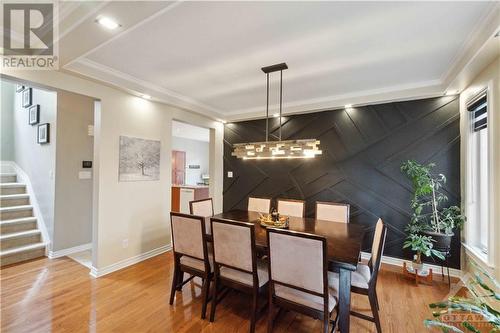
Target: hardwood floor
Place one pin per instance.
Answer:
(59, 296)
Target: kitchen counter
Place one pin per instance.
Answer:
(183, 194)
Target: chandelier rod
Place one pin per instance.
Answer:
(281, 96)
(267, 109)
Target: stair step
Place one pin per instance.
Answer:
(21, 238)
(16, 225)
(12, 188)
(8, 177)
(14, 200)
(22, 253)
(14, 212)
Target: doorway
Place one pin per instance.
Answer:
(190, 165)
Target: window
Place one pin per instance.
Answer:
(478, 157)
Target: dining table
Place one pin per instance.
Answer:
(344, 241)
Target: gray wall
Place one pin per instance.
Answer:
(37, 161)
(197, 152)
(6, 122)
(73, 206)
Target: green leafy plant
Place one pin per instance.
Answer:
(476, 304)
(428, 197)
(422, 245)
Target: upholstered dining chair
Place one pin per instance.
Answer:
(261, 205)
(332, 211)
(235, 263)
(191, 255)
(364, 279)
(298, 276)
(290, 207)
(205, 208)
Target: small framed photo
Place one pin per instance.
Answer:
(19, 87)
(34, 114)
(27, 97)
(43, 133)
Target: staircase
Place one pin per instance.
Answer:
(20, 238)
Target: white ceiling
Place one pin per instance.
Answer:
(206, 56)
(187, 131)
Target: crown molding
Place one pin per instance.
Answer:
(487, 25)
(137, 87)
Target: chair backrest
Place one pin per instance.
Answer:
(298, 260)
(188, 235)
(289, 207)
(234, 244)
(203, 207)
(332, 211)
(377, 249)
(261, 205)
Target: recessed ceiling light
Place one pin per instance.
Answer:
(146, 96)
(347, 106)
(107, 22)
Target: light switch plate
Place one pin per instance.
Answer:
(229, 174)
(84, 175)
(90, 130)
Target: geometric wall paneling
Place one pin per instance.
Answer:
(363, 148)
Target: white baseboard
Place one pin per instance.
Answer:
(98, 272)
(71, 250)
(399, 263)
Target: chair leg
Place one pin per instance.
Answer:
(376, 299)
(326, 323)
(205, 291)
(214, 299)
(373, 304)
(180, 280)
(175, 279)
(255, 309)
(270, 314)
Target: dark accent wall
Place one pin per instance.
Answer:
(363, 149)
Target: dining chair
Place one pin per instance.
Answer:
(235, 263)
(261, 205)
(332, 211)
(205, 208)
(191, 255)
(364, 279)
(290, 207)
(298, 276)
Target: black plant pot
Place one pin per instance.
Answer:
(442, 241)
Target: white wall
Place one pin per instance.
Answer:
(196, 154)
(488, 78)
(133, 211)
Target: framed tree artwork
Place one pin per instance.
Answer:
(34, 114)
(43, 133)
(27, 97)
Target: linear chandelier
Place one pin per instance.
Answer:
(282, 149)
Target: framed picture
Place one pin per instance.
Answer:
(19, 87)
(43, 133)
(27, 97)
(34, 114)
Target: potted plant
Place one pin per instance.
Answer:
(422, 245)
(483, 290)
(429, 217)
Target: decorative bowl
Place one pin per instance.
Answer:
(266, 221)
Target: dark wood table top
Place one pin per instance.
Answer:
(343, 239)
